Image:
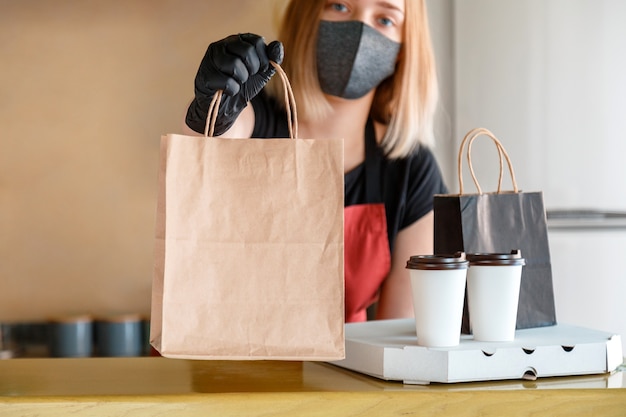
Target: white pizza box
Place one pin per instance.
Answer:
(388, 349)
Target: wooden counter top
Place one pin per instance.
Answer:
(151, 386)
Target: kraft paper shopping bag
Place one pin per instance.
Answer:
(249, 248)
(499, 222)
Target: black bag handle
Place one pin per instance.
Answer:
(290, 105)
(469, 139)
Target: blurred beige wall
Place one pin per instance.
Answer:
(87, 87)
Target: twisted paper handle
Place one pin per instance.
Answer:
(290, 105)
(469, 139)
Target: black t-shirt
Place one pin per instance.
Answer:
(406, 186)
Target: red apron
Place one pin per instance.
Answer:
(367, 258)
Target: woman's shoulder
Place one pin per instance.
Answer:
(420, 157)
(421, 169)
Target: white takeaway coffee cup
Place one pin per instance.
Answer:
(438, 286)
(493, 286)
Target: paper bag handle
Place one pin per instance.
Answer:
(469, 139)
(290, 105)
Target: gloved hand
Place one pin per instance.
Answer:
(239, 65)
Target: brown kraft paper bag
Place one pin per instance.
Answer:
(499, 222)
(249, 247)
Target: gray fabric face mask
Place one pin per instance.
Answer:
(353, 58)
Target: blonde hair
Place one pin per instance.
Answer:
(405, 102)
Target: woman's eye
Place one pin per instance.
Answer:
(385, 21)
(338, 7)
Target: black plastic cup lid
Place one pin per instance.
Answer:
(513, 258)
(438, 262)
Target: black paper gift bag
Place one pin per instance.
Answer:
(498, 222)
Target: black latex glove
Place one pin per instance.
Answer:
(238, 65)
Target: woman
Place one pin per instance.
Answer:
(364, 71)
